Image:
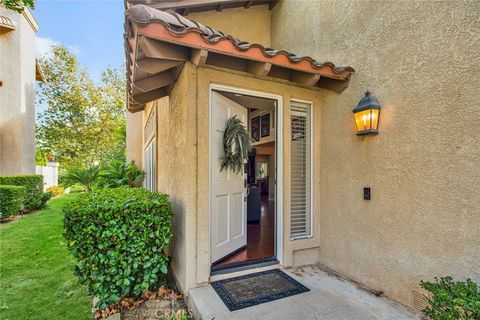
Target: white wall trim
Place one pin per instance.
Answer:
(27, 14)
(279, 159)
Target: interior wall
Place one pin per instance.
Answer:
(259, 113)
(420, 58)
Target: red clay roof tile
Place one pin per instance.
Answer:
(183, 31)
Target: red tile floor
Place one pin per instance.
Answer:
(260, 237)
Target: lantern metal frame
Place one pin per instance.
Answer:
(368, 102)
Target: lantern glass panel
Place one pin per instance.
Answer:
(375, 115)
(363, 120)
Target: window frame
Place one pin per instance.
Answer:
(309, 175)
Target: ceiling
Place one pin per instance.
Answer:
(250, 102)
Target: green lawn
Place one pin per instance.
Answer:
(36, 269)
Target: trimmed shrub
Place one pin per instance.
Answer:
(11, 200)
(45, 197)
(56, 191)
(118, 237)
(34, 188)
(452, 300)
(76, 189)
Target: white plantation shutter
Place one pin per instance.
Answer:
(150, 166)
(300, 175)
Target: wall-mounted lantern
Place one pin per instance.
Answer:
(367, 115)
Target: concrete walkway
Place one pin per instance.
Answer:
(330, 298)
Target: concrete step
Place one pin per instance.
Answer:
(330, 298)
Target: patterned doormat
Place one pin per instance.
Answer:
(252, 289)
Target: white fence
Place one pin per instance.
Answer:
(49, 173)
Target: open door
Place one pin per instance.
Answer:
(228, 190)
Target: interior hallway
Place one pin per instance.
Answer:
(260, 237)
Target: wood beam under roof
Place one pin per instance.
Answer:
(150, 96)
(153, 65)
(303, 78)
(332, 84)
(162, 50)
(200, 5)
(199, 57)
(154, 82)
(272, 4)
(259, 69)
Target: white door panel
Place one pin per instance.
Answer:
(229, 220)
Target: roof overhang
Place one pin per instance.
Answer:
(184, 7)
(39, 76)
(6, 23)
(158, 43)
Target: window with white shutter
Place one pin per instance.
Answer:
(300, 174)
(150, 166)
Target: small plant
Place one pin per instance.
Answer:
(56, 191)
(86, 177)
(77, 188)
(450, 300)
(11, 200)
(120, 174)
(34, 189)
(118, 237)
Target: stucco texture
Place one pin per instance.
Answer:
(177, 169)
(183, 167)
(232, 22)
(17, 95)
(134, 137)
(421, 59)
(293, 252)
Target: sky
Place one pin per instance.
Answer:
(91, 29)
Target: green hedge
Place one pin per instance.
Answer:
(11, 200)
(34, 198)
(452, 300)
(118, 237)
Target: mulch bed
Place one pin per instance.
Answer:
(160, 304)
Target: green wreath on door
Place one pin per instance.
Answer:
(237, 143)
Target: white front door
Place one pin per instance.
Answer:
(227, 199)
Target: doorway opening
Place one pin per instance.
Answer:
(259, 179)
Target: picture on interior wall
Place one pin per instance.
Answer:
(255, 128)
(265, 125)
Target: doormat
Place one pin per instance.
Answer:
(252, 289)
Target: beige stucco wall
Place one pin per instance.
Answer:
(292, 251)
(183, 167)
(421, 59)
(177, 169)
(17, 95)
(232, 22)
(134, 142)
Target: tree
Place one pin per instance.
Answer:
(18, 5)
(84, 121)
